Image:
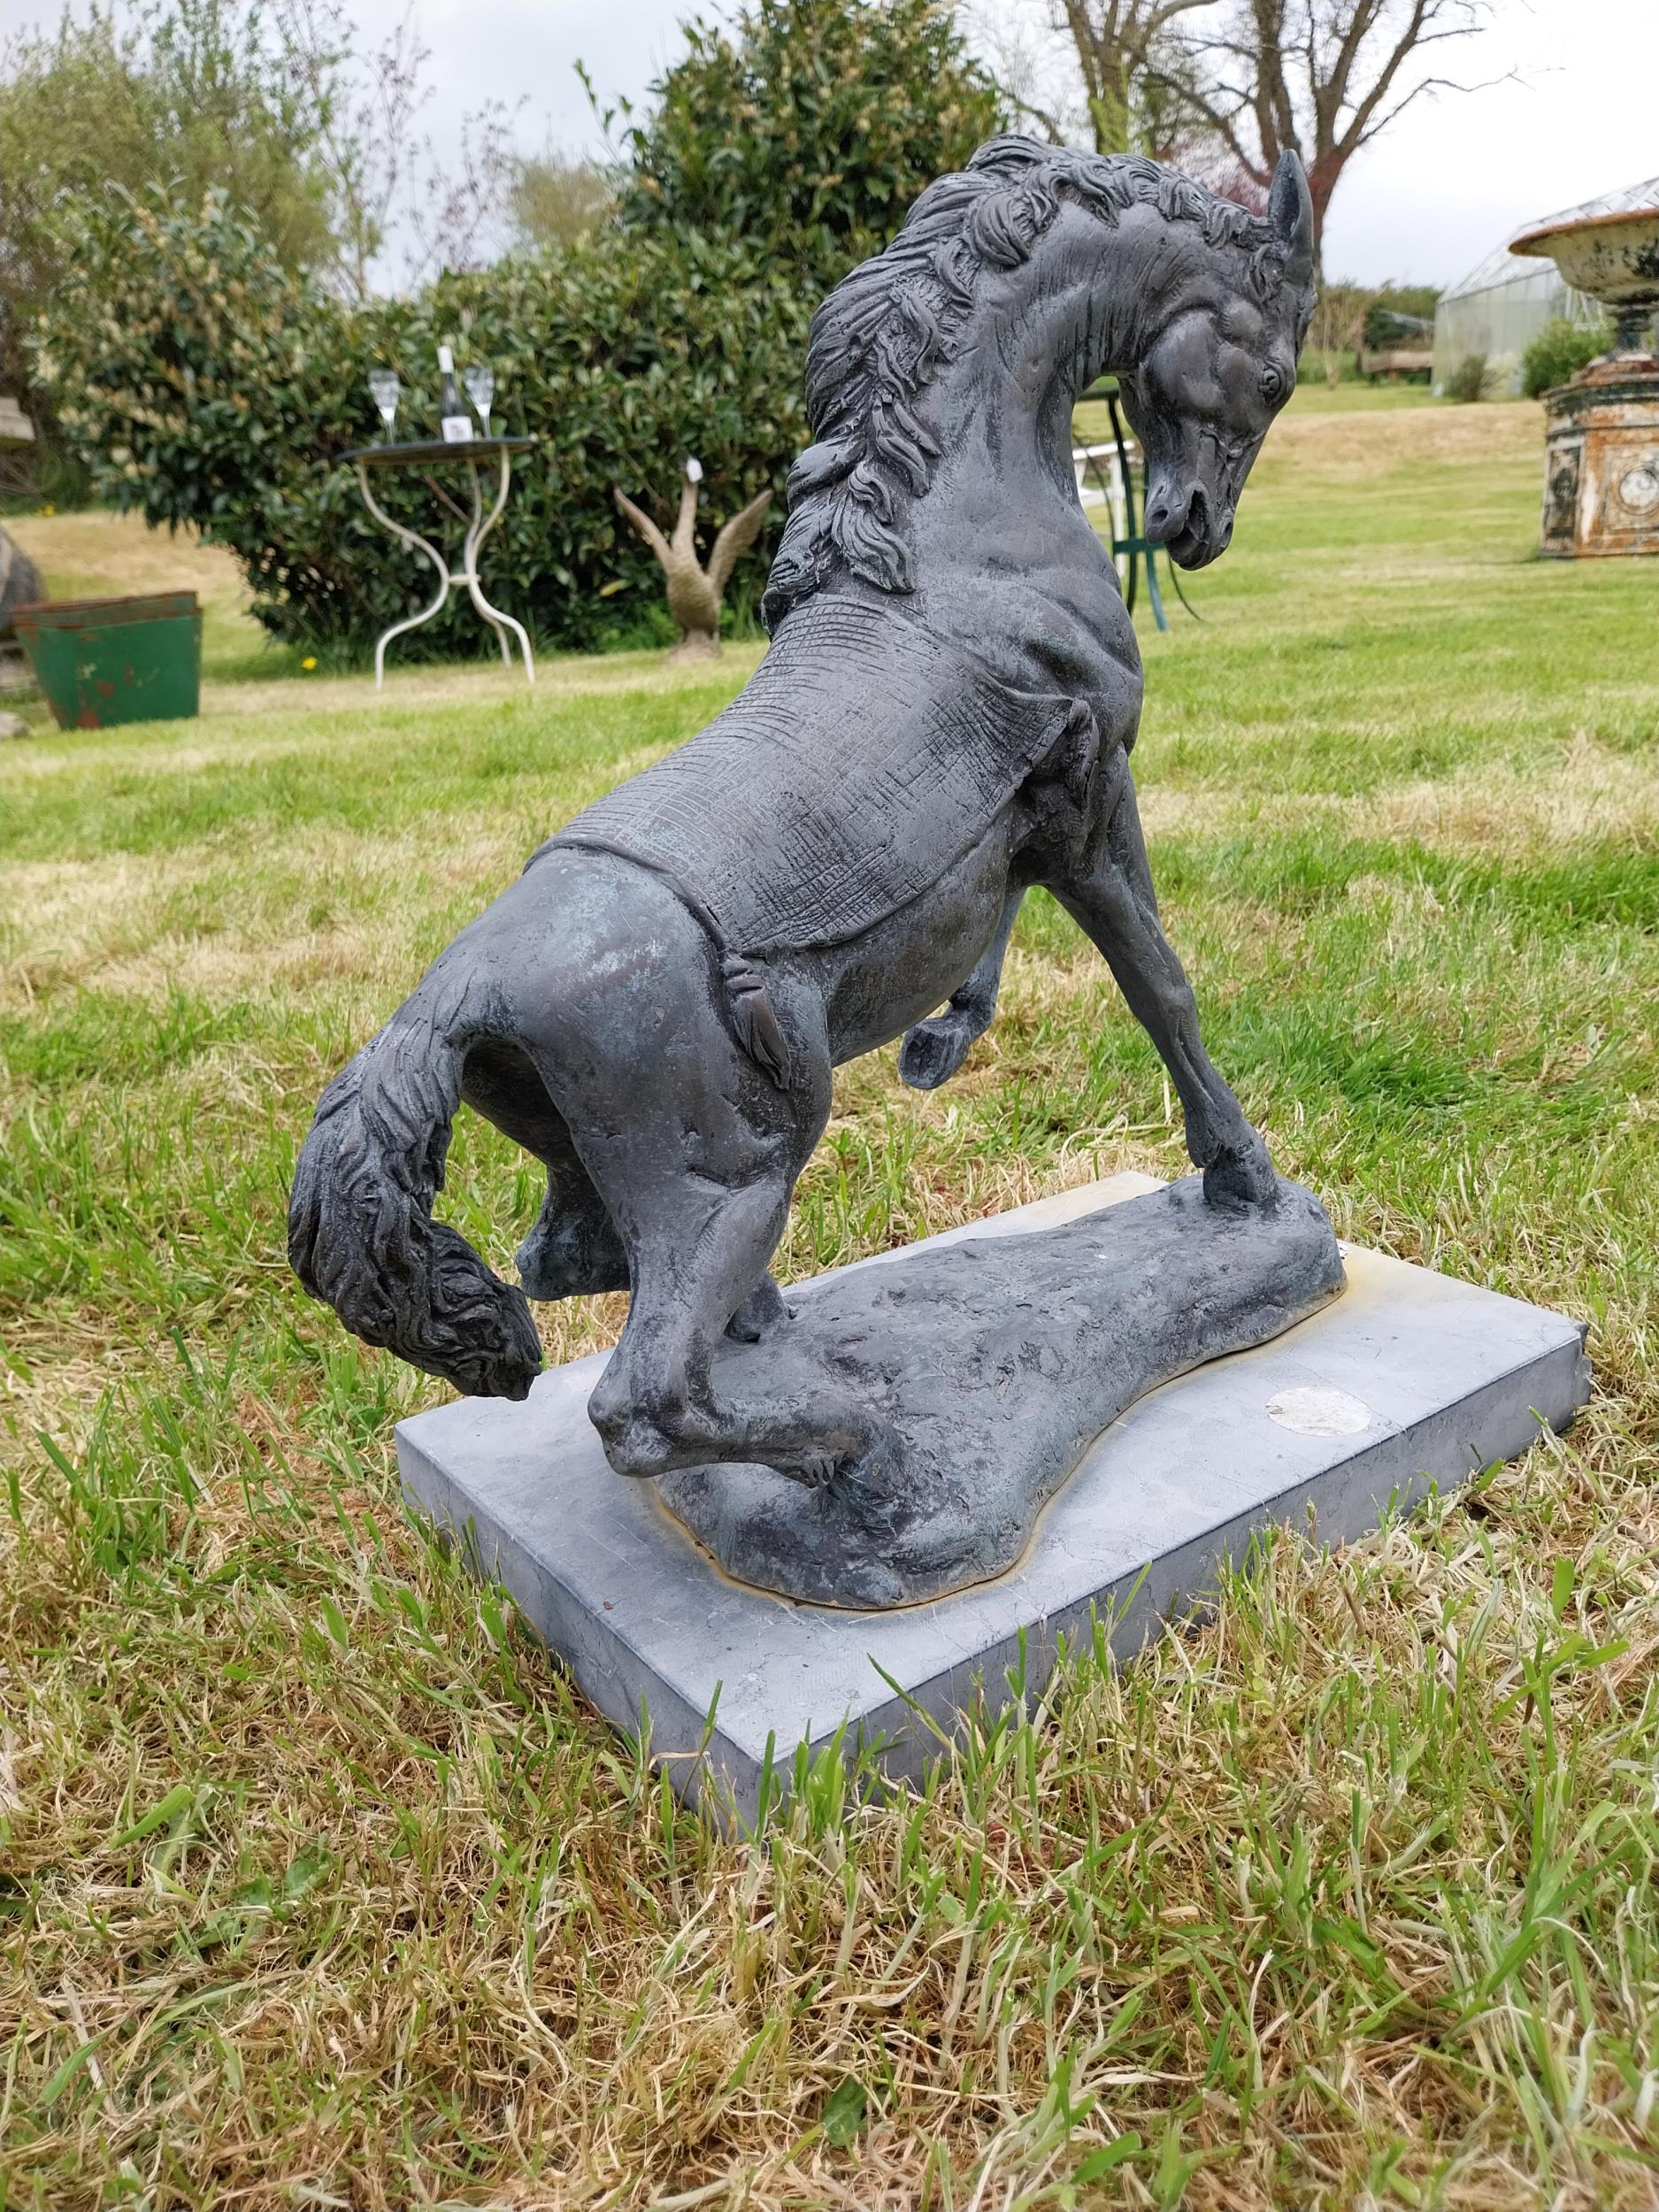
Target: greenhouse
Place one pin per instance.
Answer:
(1499, 307)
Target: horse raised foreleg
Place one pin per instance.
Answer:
(1112, 898)
(936, 1049)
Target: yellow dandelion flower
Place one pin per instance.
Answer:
(310, 661)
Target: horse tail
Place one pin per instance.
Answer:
(361, 1236)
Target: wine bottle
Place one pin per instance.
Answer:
(456, 422)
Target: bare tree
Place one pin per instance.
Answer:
(1021, 46)
(1135, 69)
(383, 175)
(1317, 78)
(455, 219)
(366, 105)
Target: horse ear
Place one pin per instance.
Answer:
(1290, 205)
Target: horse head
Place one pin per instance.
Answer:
(1012, 285)
(1219, 364)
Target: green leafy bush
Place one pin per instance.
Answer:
(1470, 381)
(192, 91)
(1558, 352)
(1397, 311)
(205, 383)
(807, 129)
(203, 380)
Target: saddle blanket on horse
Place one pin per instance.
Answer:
(863, 758)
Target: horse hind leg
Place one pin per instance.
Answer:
(693, 1143)
(701, 1223)
(934, 1049)
(574, 1249)
(657, 1406)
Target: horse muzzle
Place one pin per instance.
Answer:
(1188, 524)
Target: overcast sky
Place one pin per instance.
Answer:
(1455, 176)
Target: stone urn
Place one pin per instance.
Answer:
(1601, 451)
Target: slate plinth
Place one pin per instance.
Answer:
(1408, 1379)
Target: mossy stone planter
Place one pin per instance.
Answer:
(102, 660)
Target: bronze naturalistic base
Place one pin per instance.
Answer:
(994, 1365)
(1601, 459)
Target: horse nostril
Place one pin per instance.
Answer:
(1163, 517)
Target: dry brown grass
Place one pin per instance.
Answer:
(609, 2006)
(1356, 449)
(98, 556)
(318, 1883)
(558, 676)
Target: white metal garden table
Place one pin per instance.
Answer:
(435, 452)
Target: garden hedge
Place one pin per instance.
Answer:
(206, 384)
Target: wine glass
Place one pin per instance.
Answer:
(480, 389)
(383, 384)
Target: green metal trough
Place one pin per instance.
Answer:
(104, 661)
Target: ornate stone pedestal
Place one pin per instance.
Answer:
(1602, 465)
(1601, 459)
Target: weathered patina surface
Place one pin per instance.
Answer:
(943, 721)
(1601, 451)
(1601, 459)
(860, 838)
(996, 1363)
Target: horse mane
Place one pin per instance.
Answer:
(891, 324)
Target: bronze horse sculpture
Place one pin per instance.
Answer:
(943, 719)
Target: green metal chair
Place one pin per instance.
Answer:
(1131, 550)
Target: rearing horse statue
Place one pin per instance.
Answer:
(944, 718)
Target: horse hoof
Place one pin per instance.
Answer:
(932, 1051)
(861, 1474)
(1242, 1177)
(539, 1276)
(569, 1265)
(762, 1314)
(636, 1445)
(816, 1470)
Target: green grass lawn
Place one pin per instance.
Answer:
(319, 1886)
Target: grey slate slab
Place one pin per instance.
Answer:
(1408, 1379)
